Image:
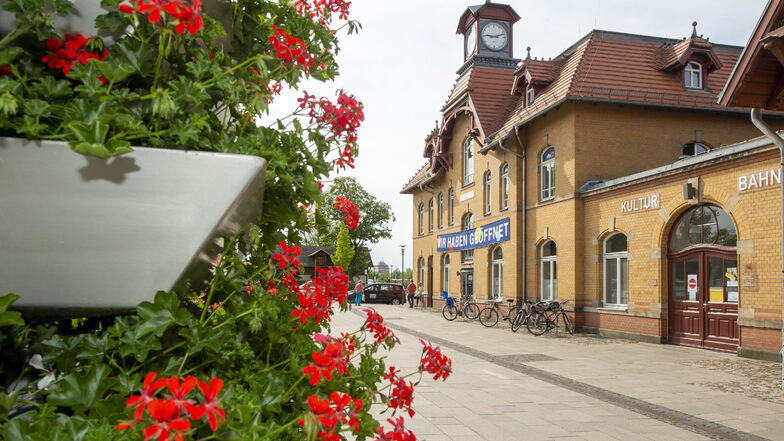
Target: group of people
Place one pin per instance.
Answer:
(414, 293)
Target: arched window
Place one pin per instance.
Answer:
(430, 215)
(692, 76)
(547, 173)
(445, 272)
(616, 271)
(505, 186)
(468, 161)
(468, 224)
(703, 225)
(422, 218)
(421, 271)
(549, 271)
(440, 210)
(451, 206)
(497, 262)
(488, 192)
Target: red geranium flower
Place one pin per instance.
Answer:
(165, 412)
(210, 406)
(351, 211)
(146, 395)
(434, 362)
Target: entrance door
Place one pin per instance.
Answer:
(703, 305)
(467, 283)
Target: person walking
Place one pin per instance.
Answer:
(411, 292)
(420, 295)
(358, 292)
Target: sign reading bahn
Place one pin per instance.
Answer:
(483, 236)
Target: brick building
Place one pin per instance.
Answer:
(608, 176)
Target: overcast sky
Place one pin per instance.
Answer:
(402, 66)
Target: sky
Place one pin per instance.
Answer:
(403, 62)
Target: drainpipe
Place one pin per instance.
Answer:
(522, 216)
(776, 139)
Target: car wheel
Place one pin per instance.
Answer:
(395, 301)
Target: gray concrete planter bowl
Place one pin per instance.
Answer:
(86, 236)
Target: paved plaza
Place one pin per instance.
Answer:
(508, 386)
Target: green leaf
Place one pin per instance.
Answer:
(8, 318)
(93, 133)
(35, 107)
(138, 347)
(90, 149)
(8, 104)
(115, 72)
(162, 103)
(50, 87)
(7, 402)
(17, 429)
(8, 55)
(134, 53)
(113, 21)
(158, 316)
(81, 391)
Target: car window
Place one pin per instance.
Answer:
(384, 289)
(371, 288)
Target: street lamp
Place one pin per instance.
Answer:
(402, 263)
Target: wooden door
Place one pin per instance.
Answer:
(685, 324)
(721, 301)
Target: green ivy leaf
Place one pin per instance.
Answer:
(158, 316)
(138, 347)
(17, 429)
(81, 391)
(50, 87)
(134, 53)
(8, 318)
(8, 55)
(113, 21)
(115, 72)
(35, 107)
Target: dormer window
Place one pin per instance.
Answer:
(693, 149)
(692, 76)
(529, 95)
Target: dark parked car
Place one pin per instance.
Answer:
(381, 293)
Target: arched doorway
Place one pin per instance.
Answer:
(703, 275)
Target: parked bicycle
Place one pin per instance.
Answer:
(550, 315)
(489, 315)
(467, 309)
(524, 315)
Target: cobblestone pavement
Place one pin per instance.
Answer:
(517, 386)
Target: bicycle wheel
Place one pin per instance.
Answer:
(511, 316)
(518, 320)
(471, 311)
(536, 323)
(567, 323)
(449, 312)
(488, 316)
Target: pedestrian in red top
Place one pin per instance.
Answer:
(411, 291)
(358, 292)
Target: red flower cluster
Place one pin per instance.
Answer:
(4, 70)
(315, 299)
(287, 258)
(172, 416)
(398, 432)
(323, 9)
(328, 416)
(375, 324)
(63, 56)
(336, 355)
(402, 392)
(434, 362)
(344, 204)
(184, 15)
(290, 49)
(342, 119)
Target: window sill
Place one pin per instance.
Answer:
(620, 310)
(469, 185)
(551, 198)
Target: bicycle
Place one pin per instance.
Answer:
(467, 309)
(524, 315)
(489, 315)
(550, 316)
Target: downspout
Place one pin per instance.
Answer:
(756, 118)
(523, 244)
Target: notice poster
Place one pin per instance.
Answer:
(731, 283)
(691, 287)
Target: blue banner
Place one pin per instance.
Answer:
(483, 236)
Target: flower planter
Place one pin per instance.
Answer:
(85, 236)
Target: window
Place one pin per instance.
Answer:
(321, 261)
(694, 149)
(529, 96)
(547, 172)
(488, 192)
(497, 259)
(703, 225)
(430, 215)
(549, 273)
(505, 186)
(421, 268)
(468, 224)
(616, 271)
(440, 210)
(451, 206)
(422, 218)
(468, 161)
(692, 76)
(445, 272)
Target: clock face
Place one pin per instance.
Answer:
(470, 41)
(494, 36)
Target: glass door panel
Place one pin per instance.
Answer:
(693, 279)
(731, 280)
(715, 279)
(678, 281)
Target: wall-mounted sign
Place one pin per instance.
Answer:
(691, 286)
(760, 179)
(482, 236)
(649, 202)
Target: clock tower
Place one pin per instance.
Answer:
(487, 31)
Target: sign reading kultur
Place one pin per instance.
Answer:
(648, 202)
(478, 237)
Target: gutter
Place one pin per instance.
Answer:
(523, 243)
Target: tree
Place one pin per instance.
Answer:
(345, 252)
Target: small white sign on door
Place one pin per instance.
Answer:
(691, 286)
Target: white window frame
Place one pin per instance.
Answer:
(421, 218)
(488, 192)
(615, 259)
(445, 270)
(547, 175)
(440, 209)
(692, 71)
(504, 186)
(529, 95)
(430, 215)
(451, 204)
(497, 278)
(552, 263)
(468, 161)
(421, 263)
(468, 224)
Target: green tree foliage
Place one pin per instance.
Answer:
(345, 252)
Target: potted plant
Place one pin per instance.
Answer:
(169, 79)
